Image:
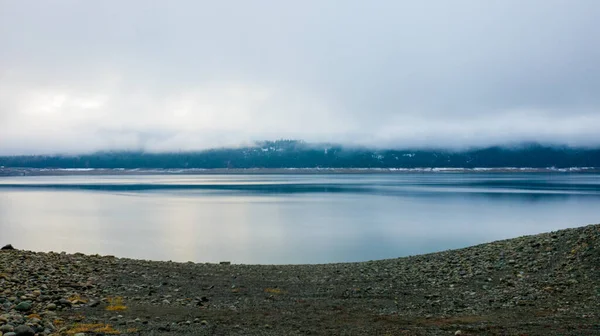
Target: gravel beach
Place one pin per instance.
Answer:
(547, 284)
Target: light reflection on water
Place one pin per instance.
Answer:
(287, 218)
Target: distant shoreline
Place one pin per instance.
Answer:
(260, 171)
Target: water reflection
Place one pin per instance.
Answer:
(289, 219)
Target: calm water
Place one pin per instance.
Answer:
(287, 218)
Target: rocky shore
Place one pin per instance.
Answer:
(547, 284)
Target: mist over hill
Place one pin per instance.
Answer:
(299, 154)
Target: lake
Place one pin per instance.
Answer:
(288, 219)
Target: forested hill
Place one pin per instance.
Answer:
(298, 154)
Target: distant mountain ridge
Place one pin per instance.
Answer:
(299, 154)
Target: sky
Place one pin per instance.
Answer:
(82, 76)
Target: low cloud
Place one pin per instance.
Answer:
(86, 76)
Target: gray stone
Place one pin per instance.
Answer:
(34, 320)
(51, 306)
(23, 306)
(24, 330)
(7, 247)
(65, 302)
(7, 328)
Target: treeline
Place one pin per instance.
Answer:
(298, 154)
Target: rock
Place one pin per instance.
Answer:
(34, 320)
(7, 328)
(23, 306)
(65, 302)
(204, 322)
(225, 263)
(165, 301)
(7, 247)
(458, 332)
(24, 330)
(164, 328)
(79, 334)
(10, 334)
(51, 306)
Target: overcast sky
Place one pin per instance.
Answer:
(81, 76)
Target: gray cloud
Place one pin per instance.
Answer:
(181, 75)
